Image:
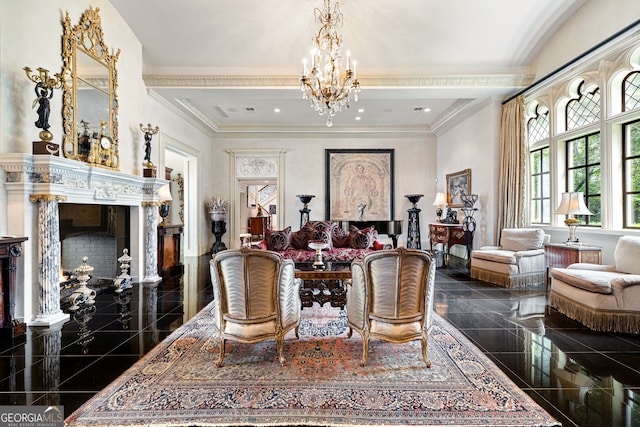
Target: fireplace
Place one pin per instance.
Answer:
(39, 189)
(99, 232)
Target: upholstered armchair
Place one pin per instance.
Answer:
(517, 262)
(256, 297)
(602, 297)
(391, 297)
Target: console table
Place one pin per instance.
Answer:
(10, 250)
(449, 235)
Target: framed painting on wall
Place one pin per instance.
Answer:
(359, 184)
(458, 183)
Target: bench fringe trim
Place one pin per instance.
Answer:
(598, 320)
(520, 281)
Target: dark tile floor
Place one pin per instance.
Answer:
(582, 378)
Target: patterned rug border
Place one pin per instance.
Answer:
(197, 332)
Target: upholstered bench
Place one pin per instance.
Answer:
(602, 297)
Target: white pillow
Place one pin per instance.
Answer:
(521, 239)
(627, 255)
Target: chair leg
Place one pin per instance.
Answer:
(424, 352)
(365, 349)
(280, 344)
(221, 356)
(350, 332)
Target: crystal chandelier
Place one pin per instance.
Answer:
(326, 86)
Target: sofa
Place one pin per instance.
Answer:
(517, 262)
(343, 245)
(602, 297)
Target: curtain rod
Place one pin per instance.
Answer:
(574, 60)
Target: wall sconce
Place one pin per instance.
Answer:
(439, 202)
(572, 204)
(165, 202)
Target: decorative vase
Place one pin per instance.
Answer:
(218, 215)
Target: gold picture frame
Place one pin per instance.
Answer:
(458, 183)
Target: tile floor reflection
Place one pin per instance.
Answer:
(582, 378)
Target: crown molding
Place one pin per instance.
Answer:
(444, 80)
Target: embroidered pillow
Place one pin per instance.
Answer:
(278, 240)
(340, 238)
(299, 239)
(361, 239)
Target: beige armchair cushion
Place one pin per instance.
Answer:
(627, 255)
(521, 239)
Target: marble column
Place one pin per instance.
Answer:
(46, 374)
(151, 242)
(49, 312)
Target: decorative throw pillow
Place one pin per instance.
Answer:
(340, 238)
(320, 230)
(299, 239)
(278, 240)
(361, 239)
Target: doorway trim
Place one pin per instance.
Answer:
(253, 164)
(190, 243)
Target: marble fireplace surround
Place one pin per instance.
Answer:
(35, 185)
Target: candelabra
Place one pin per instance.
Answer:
(44, 92)
(148, 134)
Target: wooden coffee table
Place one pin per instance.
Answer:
(323, 285)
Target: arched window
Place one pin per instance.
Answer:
(585, 109)
(631, 91)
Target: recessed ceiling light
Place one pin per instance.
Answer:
(426, 110)
(361, 110)
(276, 110)
(358, 118)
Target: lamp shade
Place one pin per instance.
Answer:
(165, 193)
(441, 199)
(572, 204)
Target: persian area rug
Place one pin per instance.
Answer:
(178, 384)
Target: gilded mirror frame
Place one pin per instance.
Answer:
(100, 148)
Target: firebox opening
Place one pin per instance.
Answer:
(99, 232)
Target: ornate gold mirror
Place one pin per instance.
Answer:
(90, 103)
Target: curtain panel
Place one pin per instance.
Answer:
(511, 178)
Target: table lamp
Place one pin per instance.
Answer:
(439, 202)
(572, 203)
(165, 200)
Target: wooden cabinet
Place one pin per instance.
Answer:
(10, 250)
(258, 225)
(169, 249)
(449, 235)
(561, 255)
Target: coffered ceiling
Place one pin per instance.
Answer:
(422, 64)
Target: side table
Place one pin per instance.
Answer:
(561, 255)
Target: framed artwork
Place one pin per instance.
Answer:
(457, 184)
(359, 184)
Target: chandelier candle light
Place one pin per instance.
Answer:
(572, 204)
(325, 85)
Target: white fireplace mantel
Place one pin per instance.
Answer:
(30, 181)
